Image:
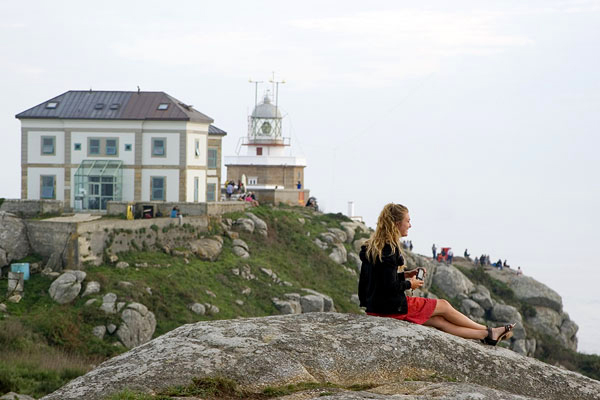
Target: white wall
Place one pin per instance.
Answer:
(33, 182)
(128, 157)
(201, 160)
(172, 176)
(128, 184)
(189, 190)
(34, 147)
(172, 156)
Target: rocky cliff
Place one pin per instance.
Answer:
(397, 359)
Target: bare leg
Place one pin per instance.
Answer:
(449, 313)
(443, 324)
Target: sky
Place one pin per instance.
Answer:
(481, 117)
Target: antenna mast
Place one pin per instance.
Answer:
(276, 89)
(255, 90)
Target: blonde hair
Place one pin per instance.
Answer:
(387, 231)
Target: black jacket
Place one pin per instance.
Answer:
(381, 287)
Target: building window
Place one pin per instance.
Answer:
(48, 145)
(212, 158)
(197, 148)
(115, 106)
(163, 106)
(107, 147)
(48, 187)
(259, 151)
(111, 147)
(128, 147)
(99, 106)
(252, 180)
(159, 147)
(196, 187)
(77, 146)
(52, 104)
(94, 147)
(157, 188)
(211, 190)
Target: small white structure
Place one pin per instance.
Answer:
(90, 147)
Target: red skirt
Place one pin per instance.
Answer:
(419, 310)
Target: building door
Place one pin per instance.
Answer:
(196, 183)
(100, 191)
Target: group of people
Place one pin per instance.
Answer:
(249, 197)
(384, 280)
(484, 260)
(234, 188)
(407, 244)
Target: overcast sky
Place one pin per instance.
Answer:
(481, 117)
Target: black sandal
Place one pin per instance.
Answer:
(507, 334)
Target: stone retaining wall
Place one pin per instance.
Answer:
(49, 237)
(187, 209)
(32, 208)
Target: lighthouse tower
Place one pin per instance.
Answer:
(266, 168)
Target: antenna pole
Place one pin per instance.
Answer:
(255, 91)
(276, 89)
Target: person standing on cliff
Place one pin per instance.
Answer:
(383, 281)
(434, 251)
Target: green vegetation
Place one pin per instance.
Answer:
(222, 388)
(45, 329)
(551, 351)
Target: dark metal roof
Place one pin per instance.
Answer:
(76, 104)
(213, 130)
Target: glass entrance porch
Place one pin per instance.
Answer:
(97, 182)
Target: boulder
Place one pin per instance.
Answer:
(568, 331)
(452, 281)
(67, 286)
(99, 331)
(339, 254)
(241, 243)
(471, 308)
(535, 293)
(14, 243)
(244, 225)
(108, 303)
(111, 328)
(350, 230)
(91, 288)
(327, 301)
(206, 249)
(122, 265)
(287, 306)
(343, 349)
(339, 234)
(197, 308)
(322, 245)
(329, 238)
(483, 299)
(546, 321)
(354, 259)
(240, 252)
(311, 303)
(260, 226)
(138, 325)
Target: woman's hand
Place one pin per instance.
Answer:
(415, 283)
(410, 274)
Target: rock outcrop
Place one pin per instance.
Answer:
(67, 286)
(137, 326)
(343, 349)
(14, 244)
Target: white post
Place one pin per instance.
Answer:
(350, 209)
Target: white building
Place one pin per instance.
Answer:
(89, 147)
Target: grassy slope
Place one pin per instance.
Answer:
(51, 343)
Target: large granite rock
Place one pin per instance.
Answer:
(244, 225)
(67, 286)
(14, 244)
(529, 290)
(452, 281)
(260, 226)
(343, 349)
(137, 326)
(339, 253)
(206, 249)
